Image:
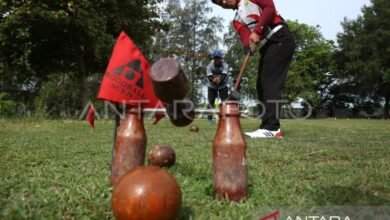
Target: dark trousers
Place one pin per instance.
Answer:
(276, 56)
(212, 94)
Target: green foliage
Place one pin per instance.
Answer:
(364, 51)
(7, 106)
(386, 76)
(40, 38)
(57, 97)
(60, 169)
(310, 72)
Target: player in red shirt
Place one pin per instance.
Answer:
(258, 23)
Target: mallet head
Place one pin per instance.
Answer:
(234, 96)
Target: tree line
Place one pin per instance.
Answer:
(53, 54)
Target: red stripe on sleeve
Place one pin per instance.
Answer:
(243, 31)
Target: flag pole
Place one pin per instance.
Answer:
(116, 125)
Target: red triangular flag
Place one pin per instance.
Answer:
(91, 116)
(273, 216)
(127, 78)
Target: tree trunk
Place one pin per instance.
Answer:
(82, 79)
(386, 108)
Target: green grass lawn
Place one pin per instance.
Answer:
(59, 169)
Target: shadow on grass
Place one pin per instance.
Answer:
(338, 195)
(186, 213)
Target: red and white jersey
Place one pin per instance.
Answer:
(258, 16)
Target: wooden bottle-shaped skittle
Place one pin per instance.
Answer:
(229, 155)
(130, 144)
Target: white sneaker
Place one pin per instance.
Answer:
(264, 133)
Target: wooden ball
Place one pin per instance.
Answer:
(162, 155)
(146, 193)
(194, 128)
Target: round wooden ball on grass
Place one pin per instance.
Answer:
(194, 128)
(146, 193)
(162, 155)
